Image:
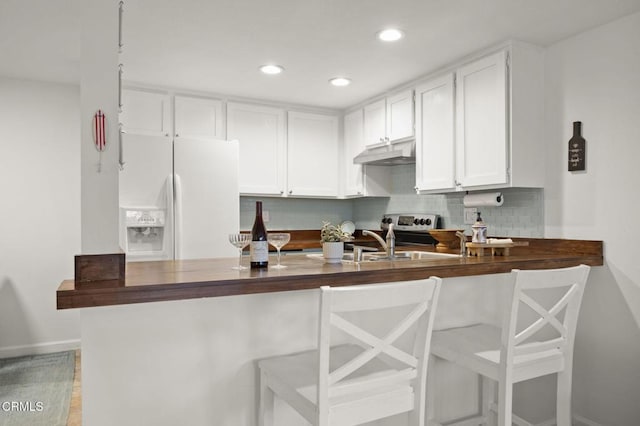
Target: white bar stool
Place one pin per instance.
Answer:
(351, 384)
(533, 342)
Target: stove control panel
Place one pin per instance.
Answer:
(409, 221)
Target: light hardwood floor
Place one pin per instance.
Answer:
(75, 409)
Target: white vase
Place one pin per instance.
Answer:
(333, 251)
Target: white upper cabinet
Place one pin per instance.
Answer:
(353, 145)
(312, 155)
(375, 122)
(146, 112)
(498, 118)
(261, 132)
(389, 119)
(481, 122)
(198, 118)
(400, 116)
(435, 150)
(290, 154)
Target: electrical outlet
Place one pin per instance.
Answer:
(265, 216)
(470, 214)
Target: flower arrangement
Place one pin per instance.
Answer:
(333, 233)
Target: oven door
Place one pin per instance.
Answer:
(413, 238)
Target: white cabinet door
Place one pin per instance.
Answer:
(146, 112)
(389, 119)
(198, 118)
(261, 132)
(353, 145)
(400, 116)
(435, 149)
(481, 122)
(313, 166)
(375, 122)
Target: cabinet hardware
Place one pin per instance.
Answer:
(120, 151)
(290, 191)
(120, 14)
(119, 87)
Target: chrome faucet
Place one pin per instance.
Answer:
(463, 242)
(388, 246)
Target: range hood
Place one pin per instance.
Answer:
(388, 154)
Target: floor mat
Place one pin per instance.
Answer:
(35, 390)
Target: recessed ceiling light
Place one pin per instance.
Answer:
(340, 81)
(271, 69)
(390, 34)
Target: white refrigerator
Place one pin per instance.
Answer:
(179, 198)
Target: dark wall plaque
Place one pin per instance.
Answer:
(577, 149)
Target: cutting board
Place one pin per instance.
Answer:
(497, 249)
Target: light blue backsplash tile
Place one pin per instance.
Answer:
(295, 213)
(368, 212)
(521, 215)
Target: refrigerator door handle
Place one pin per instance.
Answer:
(169, 239)
(177, 223)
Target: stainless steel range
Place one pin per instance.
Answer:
(411, 228)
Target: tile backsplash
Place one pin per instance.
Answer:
(295, 213)
(521, 215)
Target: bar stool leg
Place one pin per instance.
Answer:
(265, 416)
(488, 400)
(563, 398)
(431, 393)
(505, 402)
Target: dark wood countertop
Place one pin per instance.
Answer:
(189, 279)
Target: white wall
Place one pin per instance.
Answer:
(99, 90)
(594, 77)
(39, 213)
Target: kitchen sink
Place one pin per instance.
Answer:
(401, 255)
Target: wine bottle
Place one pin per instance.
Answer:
(577, 149)
(259, 247)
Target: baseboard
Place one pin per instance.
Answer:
(583, 421)
(40, 348)
(577, 420)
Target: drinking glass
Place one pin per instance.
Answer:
(278, 240)
(240, 241)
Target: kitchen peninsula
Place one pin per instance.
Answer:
(188, 279)
(190, 357)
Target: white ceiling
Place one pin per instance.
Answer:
(217, 46)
